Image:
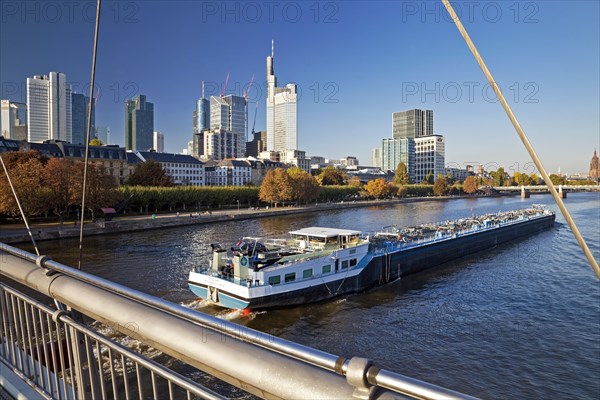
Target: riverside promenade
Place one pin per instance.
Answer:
(16, 233)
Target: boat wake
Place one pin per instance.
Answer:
(230, 315)
(196, 304)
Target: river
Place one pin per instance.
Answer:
(518, 321)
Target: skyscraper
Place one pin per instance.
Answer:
(49, 108)
(412, 124)
(282, 111)
(201, 122)
(158, 142)
(139, 124)
(13, 120)
(103, 133)
(79, 111)
(376, 157)
(396, 151)
(227, 128)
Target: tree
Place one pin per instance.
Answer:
(96, 142)
(377, 188)
(430, 179)
(332, 176)
(304, 186)
(440, 187)
(100, 187)
(535, 179)
(25, 172)
(401, 177)
(470, 185)
(276, 187)
(498, 177)
(61, 176)
(149, 173)
(557, 180)
(355, 182)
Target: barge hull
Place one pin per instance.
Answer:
(399, 263)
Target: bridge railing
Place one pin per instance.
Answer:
(61, 358)
(259, 363)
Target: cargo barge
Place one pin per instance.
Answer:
(316, 264)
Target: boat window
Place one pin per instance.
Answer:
(344, 264)
(307, 273)
(316, 239)
(332, 240)
(275, 280)
(352, 251)
(290, 277)
(326, 269)
(353, 262)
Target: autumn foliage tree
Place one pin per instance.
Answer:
(470, 185)
(401, 177)
(26, 174)
(62, 177)
(276, 187)
(332, 176)
(377, 188)
(304, 186)
(440, 187)
(149, 173)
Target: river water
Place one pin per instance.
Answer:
(518, 321)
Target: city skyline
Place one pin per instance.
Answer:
(555, 97)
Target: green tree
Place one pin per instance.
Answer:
(96, 142)
(498, 177)
(401, 177)
(377, 188)
(535, 179)
(332, 176)
(430, 179)
(558, 180)
(470, 185)
(149, 173)
(440, 187)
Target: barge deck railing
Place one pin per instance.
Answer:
(259, 363)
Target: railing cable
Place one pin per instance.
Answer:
(19, 204)
(524, 138)
(89, 128)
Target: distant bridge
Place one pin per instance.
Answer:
(544, 188)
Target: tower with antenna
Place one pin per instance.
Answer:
(282, 111)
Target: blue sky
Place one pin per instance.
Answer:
(355, 62)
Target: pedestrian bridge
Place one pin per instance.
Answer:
(54, 351)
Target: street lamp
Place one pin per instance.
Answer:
(238, 205)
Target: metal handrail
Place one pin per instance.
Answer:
(47, 376)
(63, 286)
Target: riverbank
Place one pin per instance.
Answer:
(12, 234)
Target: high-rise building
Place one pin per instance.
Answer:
(412, 124)
(257, 145)
(103, 133)
(429, 157)
(13, 120)
(227, 128)
(79, 118)
(158, 142)
(376, 157)
(201, 123)
(49, 108)
(282, 111)
(139, 124)
(220, 144)
(395, 151)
